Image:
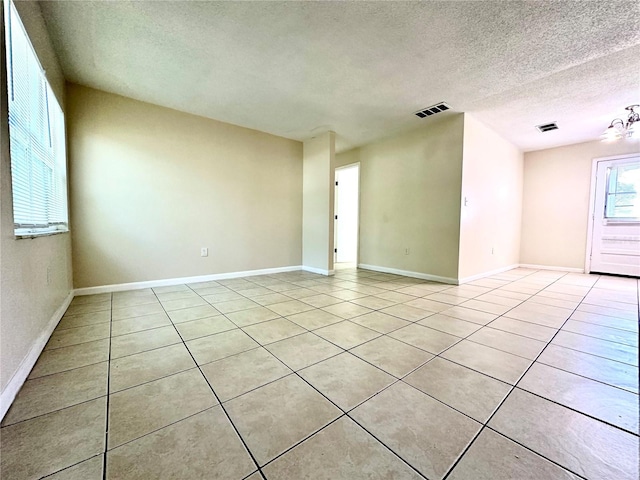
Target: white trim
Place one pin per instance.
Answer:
(407, 273)
(349, 165)
(487, 274)
(453, 281)
(119, 287)
(319, 271)
(551, 267)
(592, 207)
(9, 393)
(592, 203)
(615, 157)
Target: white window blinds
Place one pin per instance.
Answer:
(37, 138)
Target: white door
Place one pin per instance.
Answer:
(346, 209)
(615, 246)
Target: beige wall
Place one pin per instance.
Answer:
(556, 201)
(347, 158)
(410, 198)
(29, 299)
(150, 186)
(492, 184)
(318, 200)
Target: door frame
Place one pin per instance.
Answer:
(335, 229)
(592, 203)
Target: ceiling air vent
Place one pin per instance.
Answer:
(432, 110)
(547, 127)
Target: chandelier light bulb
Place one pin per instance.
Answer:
(621, 129)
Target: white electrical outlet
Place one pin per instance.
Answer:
(407, 251)
(204, 252)
(492, 249)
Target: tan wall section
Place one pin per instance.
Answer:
(28, 299)
(151, 186)
(347, 158)
(410, 198)
(318, 188)
(555, 213)
(492, 184)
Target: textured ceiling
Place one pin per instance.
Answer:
(362, 68)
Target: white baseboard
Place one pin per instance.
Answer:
(9, 393)
(548, 267)
(487, 274)
(120, 287)
(318, 270)
(455, 281)
(407, 273)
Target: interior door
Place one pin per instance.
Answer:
(346, 208)
(615, 246)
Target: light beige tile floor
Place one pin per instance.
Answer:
(363, 375)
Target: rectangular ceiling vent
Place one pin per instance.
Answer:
(432, 110)
(547, 127)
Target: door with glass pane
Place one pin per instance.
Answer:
(616, 219)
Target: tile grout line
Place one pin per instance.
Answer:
(40, 415)
(497, 408)
(467, 336)
(314, 307)
(632, 433)
(401, 379)
(106, 434)
(346, 413)
(346, 301)
(348, 350)
(577, 411)
(49, 475)
(594, 355)
(589, 378)
(488, 427)
(512, 389)
(487, 325)
(604, 326)
(309, 331)
(567, 331)
(69, 369)
(217, 399)
(161, 428)
(296, 373)
(146, 382)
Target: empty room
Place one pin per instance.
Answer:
(319, 240)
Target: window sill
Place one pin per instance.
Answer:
(47, 233)
(622, 221)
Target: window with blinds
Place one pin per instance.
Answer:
(36, 137)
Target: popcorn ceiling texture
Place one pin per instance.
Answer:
(362, 68)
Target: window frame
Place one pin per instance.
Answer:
(46, 211)
(611, 220)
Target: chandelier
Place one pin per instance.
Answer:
(621, 129)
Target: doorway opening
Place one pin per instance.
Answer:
(613, 244)
(347, 199)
